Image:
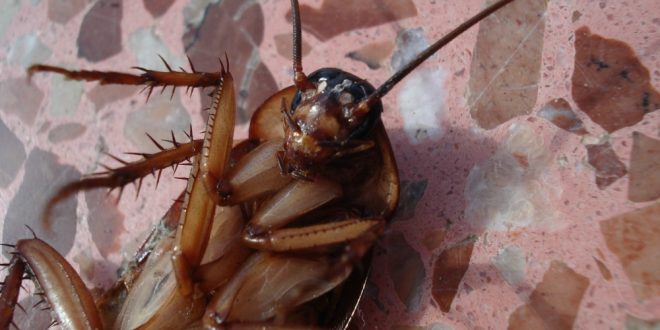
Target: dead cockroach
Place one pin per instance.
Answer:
(272, 231)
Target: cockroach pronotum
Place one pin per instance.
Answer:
(275, 230)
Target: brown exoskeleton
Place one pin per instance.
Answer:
(272, 231)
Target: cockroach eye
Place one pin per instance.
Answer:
(321, 86)
(345, 98)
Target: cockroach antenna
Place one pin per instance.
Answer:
(302, 83)
(366, 104)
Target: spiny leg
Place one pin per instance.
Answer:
(150, 78)
(70, 300)
(315, 238)
(211, 183)
(10, 290)
(130, 172)
(218, 139)
(256, 174)
(298, 198)
(209, 172)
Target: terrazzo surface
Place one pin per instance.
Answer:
(528, 149)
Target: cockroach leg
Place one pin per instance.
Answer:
(225, 252)
(218, 139)
(321, 237)
(130, 172)
(67, 295)
(202, 192)
(256, 174)
(10, 289)
(150, 78)
(217, 273)
(194, 222)
(294, 200)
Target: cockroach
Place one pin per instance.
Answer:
(273, 231)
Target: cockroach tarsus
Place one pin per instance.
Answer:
(295, 208)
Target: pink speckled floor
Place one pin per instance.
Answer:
(518, 210)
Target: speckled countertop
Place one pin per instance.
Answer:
(529, 148)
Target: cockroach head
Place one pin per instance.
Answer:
(325, 120)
